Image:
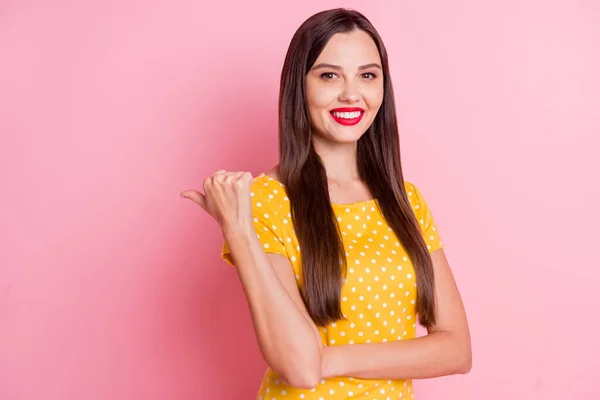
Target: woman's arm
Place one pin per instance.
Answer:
(288, 339)
(446, 350)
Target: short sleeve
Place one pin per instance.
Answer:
(268, 225)
(425, 219)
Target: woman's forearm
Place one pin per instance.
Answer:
(288, 342)
(437, 354)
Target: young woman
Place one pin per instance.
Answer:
(338, 255)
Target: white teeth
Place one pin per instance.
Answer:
(347, 115)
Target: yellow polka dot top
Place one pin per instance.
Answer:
(378, 295)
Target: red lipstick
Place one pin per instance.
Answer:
(347, 121)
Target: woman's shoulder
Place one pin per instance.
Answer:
(413, 192)
(415, 198)
(410, 188)
(265, 190)
(266, 183)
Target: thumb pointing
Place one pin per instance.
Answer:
(195, 196)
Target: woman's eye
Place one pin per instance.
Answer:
(372, 75)
(328, 75)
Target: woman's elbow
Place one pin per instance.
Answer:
(303, 375)
(305, 380)
(466, 362)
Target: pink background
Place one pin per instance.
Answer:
(111, 285)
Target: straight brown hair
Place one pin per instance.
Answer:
(302, 172)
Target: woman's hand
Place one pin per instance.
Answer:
(226, 199)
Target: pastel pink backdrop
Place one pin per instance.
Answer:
(111, 285)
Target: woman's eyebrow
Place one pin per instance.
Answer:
(337, 67)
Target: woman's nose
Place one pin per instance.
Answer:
(350, 93)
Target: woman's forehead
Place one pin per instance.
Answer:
(350, 50)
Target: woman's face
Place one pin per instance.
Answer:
(344, 88)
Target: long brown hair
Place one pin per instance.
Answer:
(303, 174)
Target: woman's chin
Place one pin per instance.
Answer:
(341, 134)
(348, 134)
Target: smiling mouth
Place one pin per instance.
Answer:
(347, 118)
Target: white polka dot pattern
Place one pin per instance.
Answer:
(379, 293)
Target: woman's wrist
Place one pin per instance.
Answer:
(237, 232)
